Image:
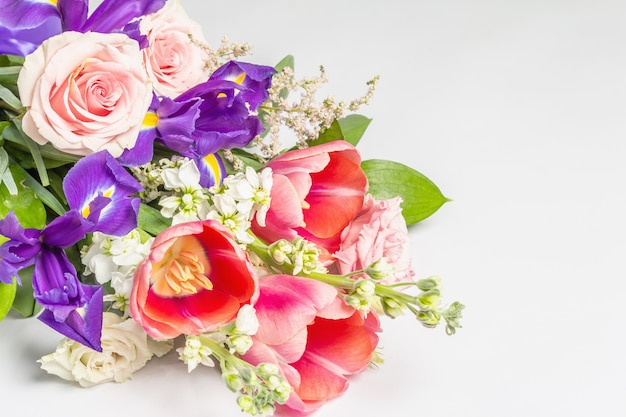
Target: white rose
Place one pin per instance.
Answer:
(126, 348)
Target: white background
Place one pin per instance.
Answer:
(516, 110)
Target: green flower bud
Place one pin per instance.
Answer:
(233, 382)
(381, 270)
(246, 403)
(428, 284)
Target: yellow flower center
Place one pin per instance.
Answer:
(183, 270)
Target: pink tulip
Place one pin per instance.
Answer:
(195, 279)
(316, 193)
(314, 353)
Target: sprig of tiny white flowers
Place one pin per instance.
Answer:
(292, 104)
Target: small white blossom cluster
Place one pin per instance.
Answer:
(299, 110)
(114, 259)
(227, 51)
(184, 199)
(149, 176)
(242, 197)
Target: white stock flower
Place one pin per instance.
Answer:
(188, 201)
(253, 189)
(233, 215)
(109, 255)
(126, 348)
(195, 353)
(247, 321)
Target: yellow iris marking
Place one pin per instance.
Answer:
(212, 162)
(85, 211)
(240, 78)
(109, 192)
(150, 120)
(221, 95)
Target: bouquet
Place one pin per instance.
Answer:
(160, 194)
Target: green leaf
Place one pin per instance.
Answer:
(7, 295)
(6, 177)
(349, 128)
(333, 133)
(353, 127)
(7, 60)
(24, 302)
(9, 98)
(42, 193)
(288, 61)
(388, 179)
(25, 204)
(151, 220)
(35, 152)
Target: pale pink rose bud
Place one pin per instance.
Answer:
(85, 92)
(174, 62)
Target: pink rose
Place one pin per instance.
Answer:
(195, 279)
(314, 350)
(316, 193)
(174, 63)
(378, 231)
(85, 92)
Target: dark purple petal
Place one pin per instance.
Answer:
(26, 14)
(66, 230)
(73, 13)
(55, 283)
(143, 150)
(25, 24)
(133, 31)
(99, 188)
(256, 79)
(19, 251)
(119, 217)
(177, 123)
(113, 15)
(85, 328)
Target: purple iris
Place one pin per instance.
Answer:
(225, 120)
(99, 193)
(25, 24)
(207, 118)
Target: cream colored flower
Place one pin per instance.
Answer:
(125, 349)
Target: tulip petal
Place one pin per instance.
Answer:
(190, 315)
(288, 304)
(344, 346)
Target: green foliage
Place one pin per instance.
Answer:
(7, 295)
(25, 204)
(150, 220)
(350, 128)
(420, 196)
(24, 302)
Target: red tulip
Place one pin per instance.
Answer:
(195, 279)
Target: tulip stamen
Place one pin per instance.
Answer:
(183, 271)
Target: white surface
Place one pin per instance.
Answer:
(517, 111)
